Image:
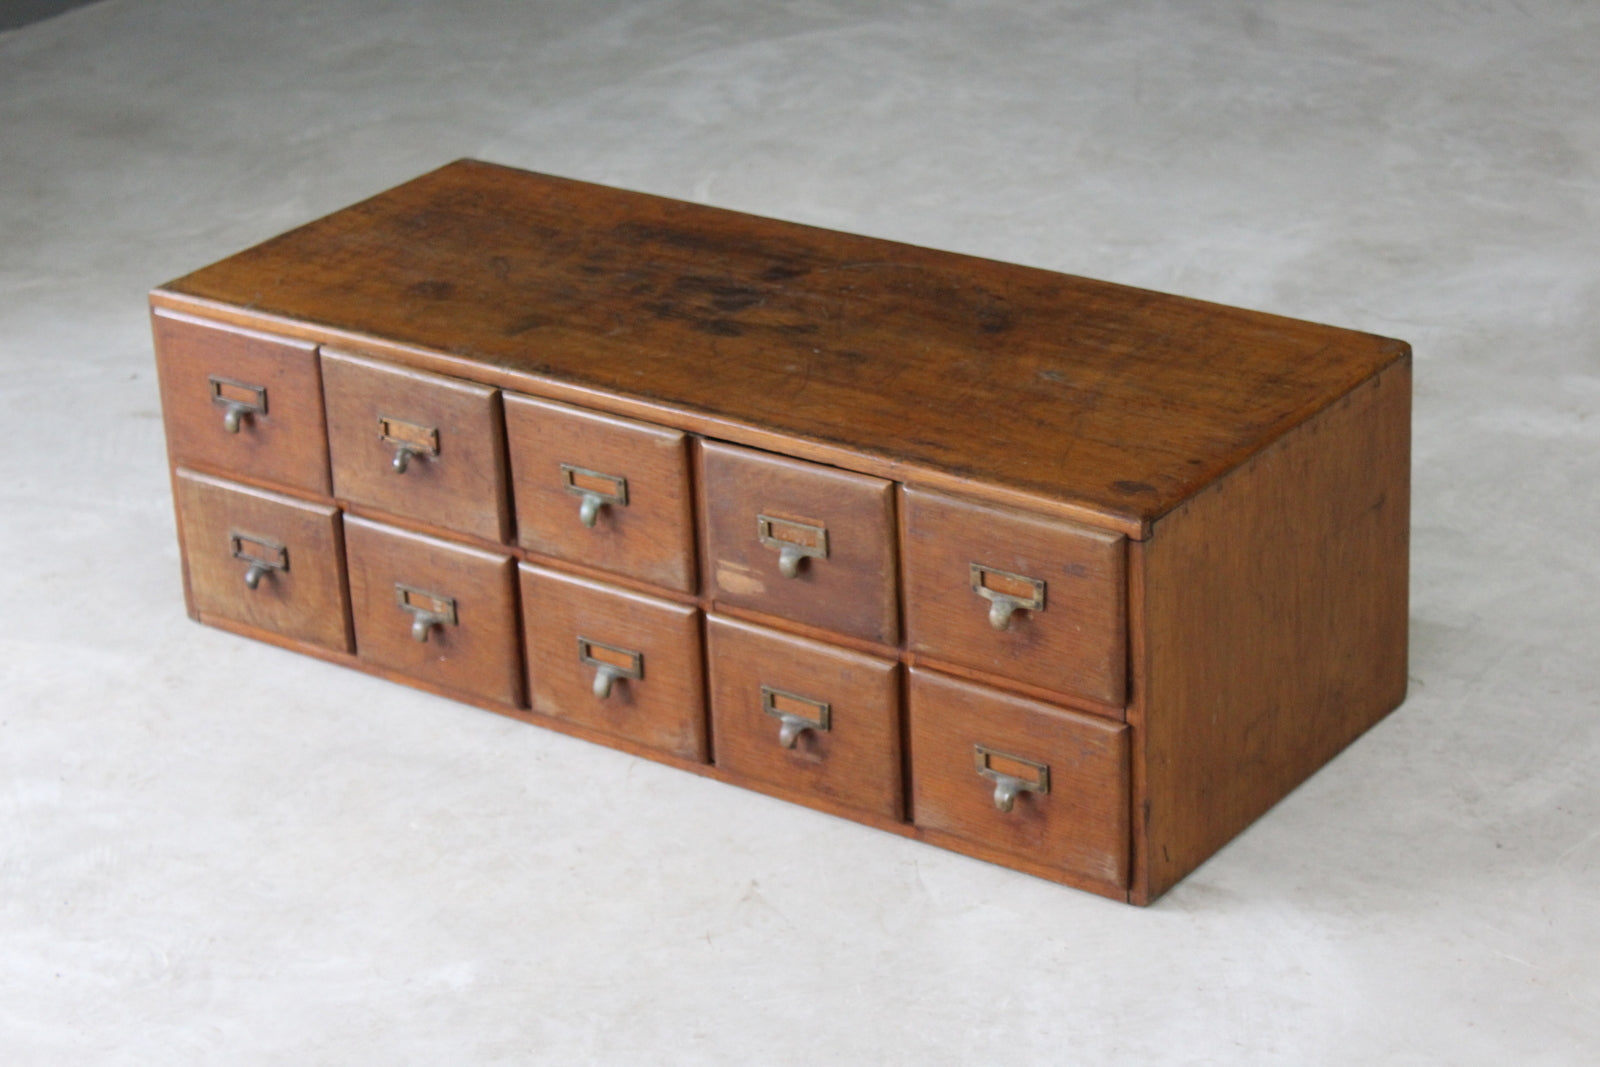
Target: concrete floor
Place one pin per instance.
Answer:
(214, 852)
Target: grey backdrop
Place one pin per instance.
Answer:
(214, 852)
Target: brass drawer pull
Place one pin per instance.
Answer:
(795, 541)
(264, 555)
(238, 400)
(409, 439)
(788, 709)
(596, 489)
(1012, 775)
(427, 609)
(1007, 593)
(610, 662)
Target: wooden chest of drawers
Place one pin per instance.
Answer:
(1071, 577)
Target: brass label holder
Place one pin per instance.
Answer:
(782, 705)
(794, 540)
(426, 609)
(610, 663)
(585, 483)
(263, 554)
(409, 439)
(1007, 593)
(1012, 775)
(237, 399)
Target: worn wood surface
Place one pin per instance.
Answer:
(1075, 643)
(851, 590)
(479, 654)
(855, 761)
(285, 445)
(1080, 825)
(1124, 400)
(1274, 621)
(305, 599)
(650, 537)
(665, 708)
(463, 487)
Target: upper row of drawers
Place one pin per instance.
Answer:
(1027, 596)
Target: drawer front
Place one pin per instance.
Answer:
(265, 560)
(241, 401)
(801, 541)
(1019, 776)
(805, 715)
(417, 444)
(603, 491)
(1029, 597)
(615, 661)
(433, 610)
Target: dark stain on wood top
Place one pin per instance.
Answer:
(1122, 399)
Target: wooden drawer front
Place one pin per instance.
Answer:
(801, 541)
(1051, 610)
(241, 401)
(266, 560)
(603, 491)
(1080, 824)
(614, 661)
(805, 715)
(433, 610)
(417, 444)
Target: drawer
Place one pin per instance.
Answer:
(263, 559)
(416, 444)
(805, 715)
(603, 491)
(436, 611)
(1026, 596)
(799, 540)
(243, 402)
(615, 661)
(1020, 777)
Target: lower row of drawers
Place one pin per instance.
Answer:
(1009, 774)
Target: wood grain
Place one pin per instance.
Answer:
(1075, 644)
(1080, 825)
(650, 538)
(286, 445)
(852, 590)
(305, 600)
(1274, 626)
(855, 762)
(462, 488)
(1122, 399)
(479, 654)
(664, 709)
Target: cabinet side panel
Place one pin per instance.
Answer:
(1275, 624)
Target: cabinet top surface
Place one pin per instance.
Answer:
(1121, 399)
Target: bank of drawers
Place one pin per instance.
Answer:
(907, 656)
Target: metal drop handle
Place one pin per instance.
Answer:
(789, 557)
(589, 510)
(604, 677)
(402, 458)
(422, 624)
(252, 577)
(790, 729)
(233, 417)
(1006, 789)
(1001, 609)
